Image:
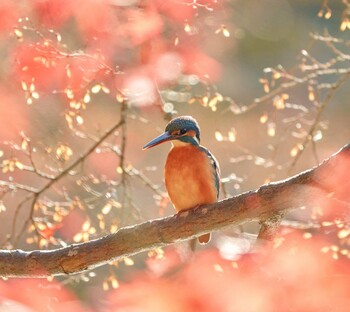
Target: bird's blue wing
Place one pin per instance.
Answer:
(216, 171)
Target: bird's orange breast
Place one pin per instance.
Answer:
(189, 178)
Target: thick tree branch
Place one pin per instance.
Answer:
(318, 185)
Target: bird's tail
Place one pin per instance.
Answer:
(204, 238)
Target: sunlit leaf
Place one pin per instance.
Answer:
(307, 235)
(317, 136)
(69, 119)
(105, 286)
(212, 103)
(86, 225)
(328, 14)
(187, 28)
(271, 129)
(32, 87)
(128, 261)
(219, 96)
(113, 229)
(325, 249)
(343, 25)
(114, 283)
(57, 217)
(295, 150)
(30, 240)
(218, 268)
(265, 85)
(105, 89)
(279, 102)
(225, 32)
(96, 88)
(120, 97)
(24, 144)
(19, 34)
(2, 206)
(19, 165)
(69, 93)
(63, 152)
(107, 208)
(311, 94)
(334, 248)
(102, 224)
(87, 98)
(344, 252)
(343, 233)
(218, 136)
(232, 135)
(205, 100)
(263, 118)
(24, 86)
(276, 75)
(80, 120)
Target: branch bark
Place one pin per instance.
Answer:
(319, 184)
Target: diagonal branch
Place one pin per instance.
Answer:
(270, 226)
(81, 158)
(308, 188)
(309, 137)
(35, 194)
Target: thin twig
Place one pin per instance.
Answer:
(16, 186)
(81, 158)
(296, 82)
(35, 195)
(313, 128)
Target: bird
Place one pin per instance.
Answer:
(192, 174)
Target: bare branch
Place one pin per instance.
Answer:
(81, 158)
(294, 82)
(322, 106)
(303, 189)
(35, 194)
(16, 186)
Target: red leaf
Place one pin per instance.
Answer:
(53, 13)
(9, 14)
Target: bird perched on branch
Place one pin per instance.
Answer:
(191, 171)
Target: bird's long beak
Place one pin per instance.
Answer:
(166, 136)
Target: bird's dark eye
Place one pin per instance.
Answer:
(183, 131)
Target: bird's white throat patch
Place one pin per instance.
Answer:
(178, 143)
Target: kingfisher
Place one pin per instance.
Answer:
(191, 171)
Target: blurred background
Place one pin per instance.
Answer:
(256, 75)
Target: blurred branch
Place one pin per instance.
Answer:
(270, 226)
(35, 194)
(305, 189)
(16, 186)
(309, 137)
(125, 195)
(293, 82)
(81, 158)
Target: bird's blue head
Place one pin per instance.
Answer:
(183, 128)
